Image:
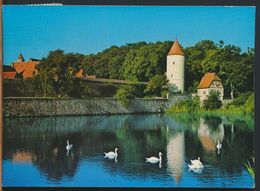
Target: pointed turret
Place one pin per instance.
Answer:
(176, 49)
(175, 66)
(20, 58)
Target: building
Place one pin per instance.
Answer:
(9, 72)
(175, 66)
(27, 69)
(210, 81)
(9, 75)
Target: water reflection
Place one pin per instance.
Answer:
(176, 155)
(211, 130)
(42, 141)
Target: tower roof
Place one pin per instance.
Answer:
(176, 49)
(21, 57)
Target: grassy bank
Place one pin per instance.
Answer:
(244, 104)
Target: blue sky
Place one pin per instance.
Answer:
(35, 30)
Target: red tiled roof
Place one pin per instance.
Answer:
(9, 75)
(80, 73)
(176, 49)
(28, 68)
(207, 79)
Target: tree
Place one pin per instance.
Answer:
(156, 86)
(56, 76)
(125, 93)
(213, 100)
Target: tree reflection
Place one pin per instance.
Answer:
(42, 142)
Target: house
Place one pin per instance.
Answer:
(210, 81)
(27, 69)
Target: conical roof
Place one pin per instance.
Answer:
(176, 49)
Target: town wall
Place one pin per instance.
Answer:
(23, 107)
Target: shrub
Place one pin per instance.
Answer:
(124, 94)
(213, 101)
(240, 100)
(156, 86)
(249, 105)
(187, 106)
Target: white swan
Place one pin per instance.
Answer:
(196, 163)
(196, 170)
(69, 146)
(111, 154)
(154, 159)
(219, 145)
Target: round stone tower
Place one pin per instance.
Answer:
(175, 66)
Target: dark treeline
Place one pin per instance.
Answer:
(144, 62)
(137, 62)
(141, 61)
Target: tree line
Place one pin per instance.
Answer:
(145, 62)
(142, 61)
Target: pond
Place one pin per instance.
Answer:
(35, 154)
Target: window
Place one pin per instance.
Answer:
(173, 62)
(171, 75)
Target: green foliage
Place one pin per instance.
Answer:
(213, 101)
(240, 100)
(206, 56)
(157, 86)
(142, 61)
(172, 88)
(250, 168)
(243, 103)
(56, 76)
(138, 61)
(249, 105)
(125, 93)
(186, 106)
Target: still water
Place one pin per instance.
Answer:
(35, 153)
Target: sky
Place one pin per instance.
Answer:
(36, 30)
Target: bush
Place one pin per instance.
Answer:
(187, 106)
(213, 101)
(243, 103)
(125, 93)
(240, 100)
(156, 86)
(249, 105)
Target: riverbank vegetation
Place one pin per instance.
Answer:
(242, 104)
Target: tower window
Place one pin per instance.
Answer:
(173, 62)
(171, 75)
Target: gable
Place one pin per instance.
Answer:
(207, 80)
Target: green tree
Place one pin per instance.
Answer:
(56, 76)
(125, 93)
(213, 100)
(156, 86)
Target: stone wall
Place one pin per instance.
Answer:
(66, 106)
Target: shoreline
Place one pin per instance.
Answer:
(42, 106)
